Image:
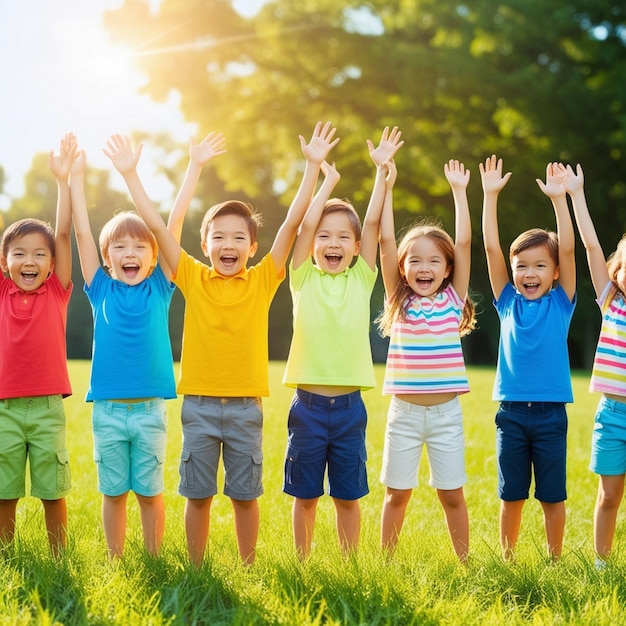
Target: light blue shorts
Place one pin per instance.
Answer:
(212, 426)
(34, 429)
(608, 441)
(410, 427)
(129, 446)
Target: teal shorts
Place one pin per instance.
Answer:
(34, 429)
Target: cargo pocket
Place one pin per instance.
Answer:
(64, 481)
(256, 477)
(362, 469)
(186, 470)
(292, 467)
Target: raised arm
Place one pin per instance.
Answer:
(200, 154)
(124, 158)
(554, 188)
(493, 182)
(306, 235)
(574, 185)
(87, 249)
(60, 165)
(458, 177)
(389, 144)
(315, 153)
(387, 234)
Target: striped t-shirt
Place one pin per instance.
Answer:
(425, 354)
(609, 365)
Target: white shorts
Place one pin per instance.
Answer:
(410, 427)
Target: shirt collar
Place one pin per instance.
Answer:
(13, 289)
(243, 273)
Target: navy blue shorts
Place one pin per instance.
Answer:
(326, 432)
(531, 437)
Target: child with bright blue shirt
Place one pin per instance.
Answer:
(132, 372)
(533, 378)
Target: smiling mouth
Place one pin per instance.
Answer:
(130, 270)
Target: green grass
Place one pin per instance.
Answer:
(423, 584)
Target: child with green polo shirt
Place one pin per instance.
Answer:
(330, 359)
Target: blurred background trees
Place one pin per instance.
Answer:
(530, 81)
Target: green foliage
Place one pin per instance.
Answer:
(530, 81)
(422, 584)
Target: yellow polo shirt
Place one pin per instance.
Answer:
(225, 332)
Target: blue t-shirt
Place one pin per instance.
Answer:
(132, 355)
(533, 359)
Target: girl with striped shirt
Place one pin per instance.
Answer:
(608, 376)
(427, 311)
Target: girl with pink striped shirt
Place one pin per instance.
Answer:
(608, 447)
(427, 311)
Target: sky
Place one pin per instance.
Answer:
(61, 72)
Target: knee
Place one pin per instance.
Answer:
(397, 497)
(451, 498)
(609, 498)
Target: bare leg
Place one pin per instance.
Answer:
(392, 517)
(510, 523)
(55, 513)
(246, 528)
(152, 509)
(348, 524)
(114, 523)
(8, 510)
(554, 522)
(455, 510)
(303, 519)
(610, 494)
(197, 518)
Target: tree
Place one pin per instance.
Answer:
(530, 81)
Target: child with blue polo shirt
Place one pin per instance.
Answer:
(533, 381)
(131, 371)
(330, 360)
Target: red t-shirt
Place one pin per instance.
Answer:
(33, 353)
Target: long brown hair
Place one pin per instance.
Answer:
(398, 302)
(613, 264)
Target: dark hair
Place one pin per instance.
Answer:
(335, 205)
(233, 207)
(24, 227)
(534, 238)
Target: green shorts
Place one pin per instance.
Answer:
(34, 429)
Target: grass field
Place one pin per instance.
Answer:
(423, 584)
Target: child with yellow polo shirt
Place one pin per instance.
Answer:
(224, 353)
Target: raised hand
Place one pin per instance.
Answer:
(391, 173)
(574, 181)
(330, 172)
(556, 176)
(321, 143)
(211, 146)
(491, 175)
(60, 164)
(457, 175)
(389, 144)
(120, 151)
(79, 164)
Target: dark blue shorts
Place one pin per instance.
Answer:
(531, 437)
(326, 432)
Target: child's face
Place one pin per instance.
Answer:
(335, 244)
(29, 261)
(228, 244)
(534, 272)
(425, 267)
(129, 260)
